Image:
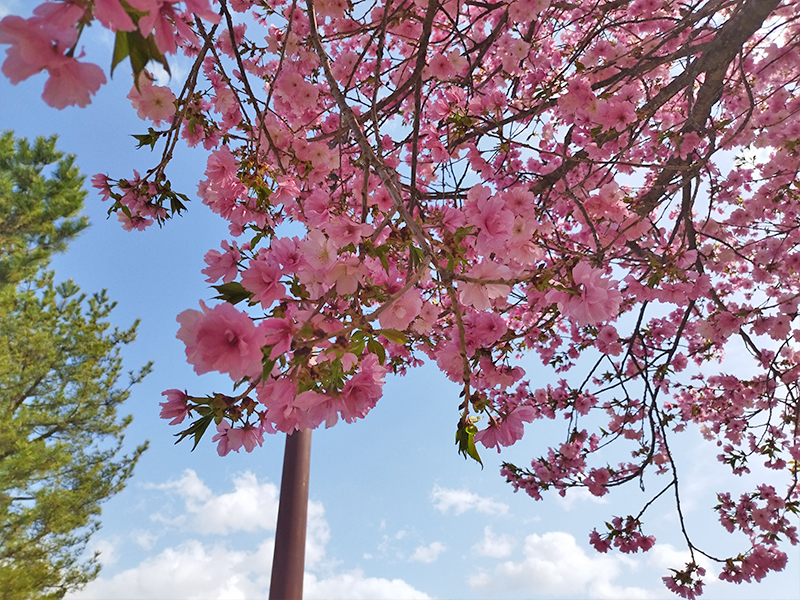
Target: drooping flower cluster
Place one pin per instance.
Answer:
(471, 181)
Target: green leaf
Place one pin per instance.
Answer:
(393, 335)
(382, 251)
(121, 50)
(139, 50)
(377, 349)
(197, 429)
(461, 233)
(336, 378)
(256, 238)
(417, 255)
(298, 290)
(147, 139)
(268, 364)
(233, 292)
(175, 205)
(465, 440)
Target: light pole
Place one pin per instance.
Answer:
(288, 559)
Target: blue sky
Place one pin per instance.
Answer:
(395, 511)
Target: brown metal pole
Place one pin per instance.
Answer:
(288, 559)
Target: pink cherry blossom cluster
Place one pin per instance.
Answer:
(765, 525)
(467, 183)
(47, 42)
(627, 536)
(687, 582)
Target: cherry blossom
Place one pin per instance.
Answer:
(466, 183)
(154, 102)
(221, 339)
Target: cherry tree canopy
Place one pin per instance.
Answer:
(611, 185)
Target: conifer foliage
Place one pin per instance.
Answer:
(60, 432)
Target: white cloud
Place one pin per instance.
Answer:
(495, 546)
(354, 586)
(188, 486)
(190, 570)
(462, 501)
(427, 554)
(143, 538)
(251, 506)
(554, 564)
(197, 570)
(318, 534)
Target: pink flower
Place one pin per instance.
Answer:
(286, 193)
(600, 544)
(288, 253)
(488, 212)
(159, 19)
(507, 431)
(154, 102)
(363, 390)
(319, 251)
(597, 480)
(346, 274)
(71, 83)
(202, 9)
(343, 232)
(279, 334)
(222, 264)
(608, 341)
(289, 410)
(175, 407)
(40, 43)
(136, 221)
(481, 295)
(31, 48)
(263, 279)
(439, 67)
(317, 408)
(224, 442)
(448, 358)
(247, 436)
(404, 310)
(615, 114)
(221, 437)
(597, 301)
(113, 16)
(221, 339)
(100, 182)
(484, 328)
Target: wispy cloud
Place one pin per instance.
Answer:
(250, 507)
(461, 501)
(429, 553)
(554, 564)
(494, 546)
(355, 586)
(217, 565)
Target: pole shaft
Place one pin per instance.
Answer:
(288, 559)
